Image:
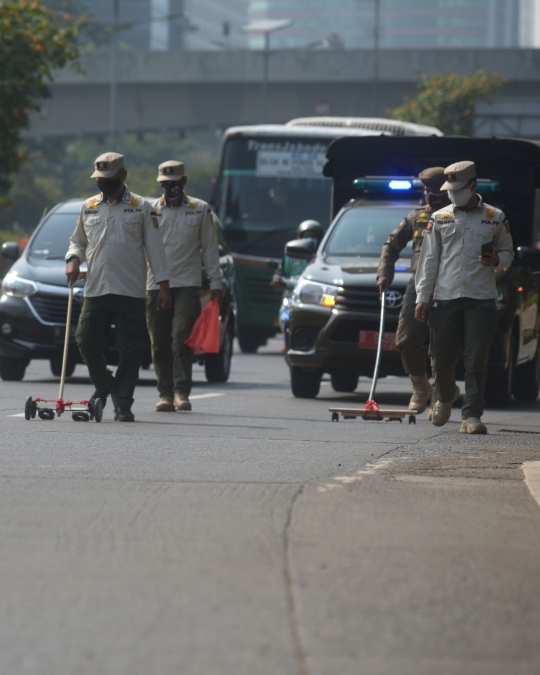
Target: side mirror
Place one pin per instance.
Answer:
(10, 250)
(526, 256)
(304, 249)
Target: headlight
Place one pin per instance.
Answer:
(313, 293)
(17, 287)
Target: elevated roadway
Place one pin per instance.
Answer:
(200, 90)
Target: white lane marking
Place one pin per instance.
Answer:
(370, 469)
(205, 396)
(17, 415)
(532, 478)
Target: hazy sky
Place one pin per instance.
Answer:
(537, 23)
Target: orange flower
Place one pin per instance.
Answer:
(38, 48)
(66, 17)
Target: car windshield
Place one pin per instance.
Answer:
(362, 230)
(52, 239)
(261, 214)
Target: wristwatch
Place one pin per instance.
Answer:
(71, 258)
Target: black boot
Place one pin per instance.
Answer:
(101, 395)
(123, 414)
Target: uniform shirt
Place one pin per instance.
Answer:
(187, 230)
(449, 267)
(113, 239)
(412, 227)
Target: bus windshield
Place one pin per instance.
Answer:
(268, 186)
(362, 230)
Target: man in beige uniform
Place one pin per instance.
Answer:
(412, 335)
(116, 233)
(188, 228)
(464, 244)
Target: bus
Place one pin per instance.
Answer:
(271, 179)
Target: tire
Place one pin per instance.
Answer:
(12, 370)
(56, 367)
(344, 381)
(500, 383)
(250, 339)
(526, 385)
(304, 384)
(98, 410)
(217, 367)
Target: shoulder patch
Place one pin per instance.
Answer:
(429, 227)
(401, 224)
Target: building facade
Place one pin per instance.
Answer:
(403, 23)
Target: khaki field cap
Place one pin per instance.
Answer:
(433, 177)
(170, 170)
(458, 175)
(107, 165)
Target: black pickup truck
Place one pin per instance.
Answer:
(335, 308)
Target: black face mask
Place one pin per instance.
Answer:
(172, 189)
(108, 187)
(436, 200)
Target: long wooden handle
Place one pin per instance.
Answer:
(66, 343)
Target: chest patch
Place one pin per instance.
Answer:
(155, 222)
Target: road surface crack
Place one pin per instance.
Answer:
(292, 611)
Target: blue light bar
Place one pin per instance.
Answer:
(400, 185)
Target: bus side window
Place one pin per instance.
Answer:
(536, 231)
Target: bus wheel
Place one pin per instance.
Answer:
(250, 339)
(305, 384)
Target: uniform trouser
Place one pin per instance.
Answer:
(173, 360)
(411, 336)
(472, 323)
(127, 314)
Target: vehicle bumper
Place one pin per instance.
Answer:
(335, 339)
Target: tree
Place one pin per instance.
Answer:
(35, 41)
(447, 101)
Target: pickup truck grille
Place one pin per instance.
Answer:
(366, 299)
(53, 308)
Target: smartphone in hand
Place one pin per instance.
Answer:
(487, 249)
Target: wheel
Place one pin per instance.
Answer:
(344, 381)
(499, 383)
(526, 385)
(305, 384)
(250, 339)
(217, 367)
(56, 367)
(12, 370)
(98, 410)
(46, 414)
(29, 408)
(412, 419)
(335, 417)
(80, 416)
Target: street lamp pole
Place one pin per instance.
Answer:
(264, 28)
(376, 41)
(114, 76)
(266, 66)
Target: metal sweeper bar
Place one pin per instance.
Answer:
(81, 411)
(372, 410)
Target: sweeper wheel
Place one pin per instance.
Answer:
(98, 410)
(80, 416)
(412, 419)
(46, 414)
(335, 417)
(30, 408)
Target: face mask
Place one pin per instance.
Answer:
(460, 197)
(172, 189)
(108, 187)
(435, 200)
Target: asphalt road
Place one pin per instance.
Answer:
(254, 536)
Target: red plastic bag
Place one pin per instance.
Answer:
(204, 337)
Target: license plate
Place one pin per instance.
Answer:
(369, 339)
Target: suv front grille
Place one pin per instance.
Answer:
(366, 299)
(53, 308)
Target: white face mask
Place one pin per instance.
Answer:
(460, 197)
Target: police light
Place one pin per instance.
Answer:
(400, 185)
